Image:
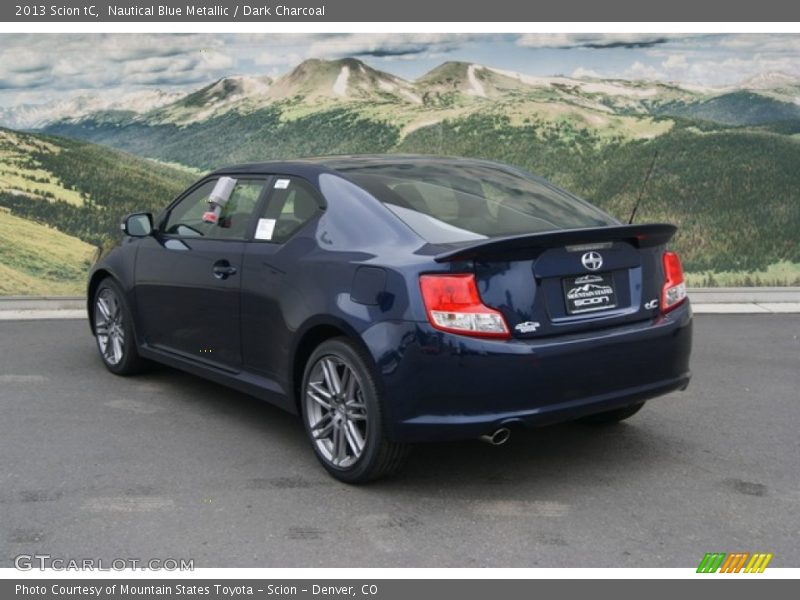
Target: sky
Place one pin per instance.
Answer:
(41, 68)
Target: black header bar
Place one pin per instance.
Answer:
(472, 11)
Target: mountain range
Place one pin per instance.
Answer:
(460, 85)
(34, 116)
(725, 158)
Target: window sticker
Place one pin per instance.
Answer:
(265, 229)
(281, 184)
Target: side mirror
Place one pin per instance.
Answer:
(138, 225)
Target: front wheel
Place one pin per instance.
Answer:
(343, 414)
(113, 330)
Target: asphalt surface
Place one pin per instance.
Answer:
(168, 465)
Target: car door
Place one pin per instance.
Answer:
(188, 275)
(272, 303)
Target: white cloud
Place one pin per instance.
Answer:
(58, 65)
(278, 58)
(400, 46)
(595, 40)
(760, 42)
(581, 72)
(696, 69)
(214, 60)
(383, 45)
(68, 62)
(639, 70)
(736, 69)
(675, 61)
(41, 67)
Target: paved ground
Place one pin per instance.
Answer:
(167, 465)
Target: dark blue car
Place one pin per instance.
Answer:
(398, 299)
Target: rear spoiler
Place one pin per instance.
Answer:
(641, 236)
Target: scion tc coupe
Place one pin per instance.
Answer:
(398, 299)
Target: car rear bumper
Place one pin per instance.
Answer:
(439, 386)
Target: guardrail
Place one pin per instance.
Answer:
(42, 303)
(704, 300)
(744, 294)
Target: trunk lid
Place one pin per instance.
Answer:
(568, 281)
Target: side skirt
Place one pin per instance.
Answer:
(259, 386)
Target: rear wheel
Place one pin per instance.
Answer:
(615, 416)
(113, 330)
(343, 414)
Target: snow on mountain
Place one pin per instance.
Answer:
(316, 84)
(343, 79)
(770, 81)
(476, 87)
(32, 116)
(340, 85)
(214, 99)
(533, 80)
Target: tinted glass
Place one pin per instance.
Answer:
(186, 218)
(292, 203)
(452, 202)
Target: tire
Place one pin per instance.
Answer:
(113, 329)
(346, 429)
(614, 416)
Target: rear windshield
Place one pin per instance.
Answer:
(454, 202)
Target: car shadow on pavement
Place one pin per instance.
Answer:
(596, 453)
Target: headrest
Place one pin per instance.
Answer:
(410, 193)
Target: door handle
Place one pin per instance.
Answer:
(222, 269)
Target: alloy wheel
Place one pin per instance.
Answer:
(109, 326)
(336, 411)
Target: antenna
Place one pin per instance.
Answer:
(644, 185)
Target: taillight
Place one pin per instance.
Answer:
(674, 290)
(453, 304)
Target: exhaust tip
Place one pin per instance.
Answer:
(498, 437)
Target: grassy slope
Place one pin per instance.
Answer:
(742, 214)
(782, 273)
(733, 191)
(65, 199)
(737, 108)
(21, 174)
(107, 182)
(40, 261)
(234, 138)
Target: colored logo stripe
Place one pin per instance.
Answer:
(711, 562)
(734, 563)
(758, 563)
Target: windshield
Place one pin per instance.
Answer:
(462, 201)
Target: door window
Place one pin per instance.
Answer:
(292, 203)
(186, 218)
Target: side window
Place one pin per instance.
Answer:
(186, 217)
(292, 203)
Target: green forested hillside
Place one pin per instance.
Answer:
(727, 169)
(734, 192)
(80, 188)
(61, 200)
(736, 108)
(233, 138)
(38, 260)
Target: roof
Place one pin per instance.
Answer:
(305, 167)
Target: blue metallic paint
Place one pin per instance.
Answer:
(444, 386)
(436, 385)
